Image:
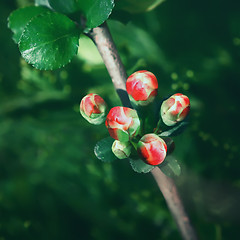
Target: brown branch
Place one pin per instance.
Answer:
(170, 193)
(104, 42)
(106, 47)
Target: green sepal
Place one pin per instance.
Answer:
(103, 150)
(123, 136)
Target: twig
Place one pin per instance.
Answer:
(106, 47)
(104, 42)
(170, 193)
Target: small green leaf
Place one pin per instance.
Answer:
(175, 130)
(139, 166)
(65, 6)
(170, 167)
(42, 3)
(49, 41)
(19, 18)
(103, 150)
(95, 11)
(137, 6)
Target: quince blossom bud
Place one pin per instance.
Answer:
(152, 149)
(121, 149)
(142, 87)
(93, 108)
(175, 109)
(122, 123)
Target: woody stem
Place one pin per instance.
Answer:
(106, 47)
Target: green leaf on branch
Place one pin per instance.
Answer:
(137, 6)
(49, 41)
(42, 3)
(175, 130)
(95, 11)
(170, 167)
(19, 18)
(139, 166)
(103, 150)
(64, 6)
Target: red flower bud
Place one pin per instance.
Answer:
(152, 149)
(175, 109)
(122, 123)
(93, 108)
(142, 87)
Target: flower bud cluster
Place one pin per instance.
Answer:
(124, 124)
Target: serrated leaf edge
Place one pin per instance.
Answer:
(110, 12)
(141, 172)
(17, 10)
(51, 68)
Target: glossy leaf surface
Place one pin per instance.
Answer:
(64, 6)
(20, 17)
(139, 166)
(103, 150)
(49, 41)
(95, 11)
(170, 167)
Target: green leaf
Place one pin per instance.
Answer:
(139, 166)
(65, 6)
(49, 41)
(170, 167)
(175, 130)
(103, 150)
(95, 11)
(137, 6)
(42, 3)
(19, 18)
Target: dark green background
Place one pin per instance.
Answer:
(51, 184)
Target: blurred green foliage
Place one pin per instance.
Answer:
(51, 184)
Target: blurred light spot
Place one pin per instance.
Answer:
(27, 224)
(174, 86)
(141, 208)
(87, 67)
(67, 89)
(186, 86)
(76, 108)
(135, 196)
(215, 143)
(236, 41)
(227, 163)
(113, 212)
(190, 73)
(146, 193)
(226, 146)
(174, 76)
(63, 75)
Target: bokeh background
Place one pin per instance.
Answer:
(51, 184)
